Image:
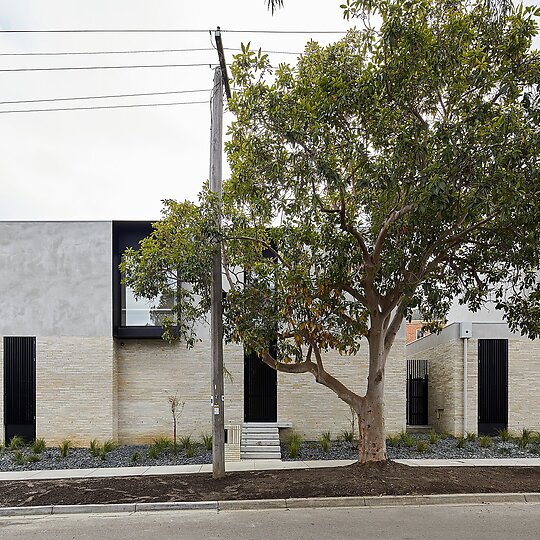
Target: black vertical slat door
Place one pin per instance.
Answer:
(492, 385)
(20, 387)
(260, 390)
(417, 393)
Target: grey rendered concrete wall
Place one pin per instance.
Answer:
(312, 408)
(55, 278)
(56, 284)
(151, 370)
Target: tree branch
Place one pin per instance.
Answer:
(392, 218)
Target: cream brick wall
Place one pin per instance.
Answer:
(445, 386)
(445, 366)
(313, 408)
(151, 370)
(523, 385)
(74, 389)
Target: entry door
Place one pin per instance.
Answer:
(260, 390)
(492, 385)
(20, 387)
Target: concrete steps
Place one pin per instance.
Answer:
(260, 441)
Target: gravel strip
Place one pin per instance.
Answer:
(137, 455)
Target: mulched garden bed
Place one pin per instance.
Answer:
(388, 478)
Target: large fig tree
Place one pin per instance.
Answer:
(392, 170)
(396, 169)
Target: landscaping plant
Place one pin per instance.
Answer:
(294, 443)
(64, 448)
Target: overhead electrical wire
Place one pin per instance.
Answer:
(110, 96)
(69, 53)
(165, 30)
(73, 68)
(106, 107)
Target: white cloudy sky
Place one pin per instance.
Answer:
(120, 163)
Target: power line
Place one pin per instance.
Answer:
(104, 97)
(68, 68)
(106, 107)
(285, 31)
(263, 50)
(59, 53)
(105, 31)
(165, 30)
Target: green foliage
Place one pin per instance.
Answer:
(159, 447)
(432, 437)
(393, 440)
(207, 442)
(33, 458)
(460, 442)
(185, 442)
(16, 442)
(407, 439)
(484, 441)
(294, 443)
(38, 446)
(18, 458)
(95, 448)
(504, 435)
(134, 458)
(191, 450)
(64, 448)
(524, 439)
(443, 436)
(401, 164)
(109, 446)
(471, 437)
(347, 436)
(325, 442)
(422, 446)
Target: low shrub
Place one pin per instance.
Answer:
(294, 443)
(135, 458)
(432, 437)
(16, 442)
(191, 450)
(471, 437)
(460, 442)
(33, 458)
(207, 442)
(18, 458)
(94, 448)
(393, 440)
(347, 436)
(484, 441)
(421, 447)
(504, 435)
(64, 448)
(443, 436)
(38, 446)
(185, 442)
(407, 439)
(325, 442)
(160, 446)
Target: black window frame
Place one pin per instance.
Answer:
(128, 234)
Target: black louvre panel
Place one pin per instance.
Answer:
(417, 393)
(20, 387)
(492, 385)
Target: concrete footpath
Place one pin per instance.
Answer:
(252, 465)
(259, 465)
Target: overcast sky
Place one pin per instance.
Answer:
(120, 163)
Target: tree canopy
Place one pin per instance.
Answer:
(395, 169)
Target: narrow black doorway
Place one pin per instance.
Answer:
(417, 393)
(20, 387)
(492, 385)
(260, 390)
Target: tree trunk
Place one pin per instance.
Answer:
(372, 437)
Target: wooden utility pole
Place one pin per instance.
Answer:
(216, 322)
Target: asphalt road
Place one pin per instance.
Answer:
(505, 521)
